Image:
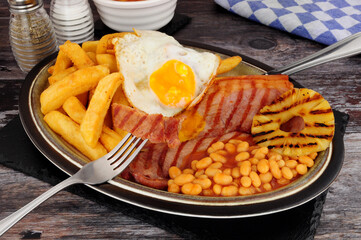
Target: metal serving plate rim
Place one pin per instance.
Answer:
(177, 198)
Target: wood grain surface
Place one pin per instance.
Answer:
(68, 216)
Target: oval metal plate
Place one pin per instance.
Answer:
(68, 159)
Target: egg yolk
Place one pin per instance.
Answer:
(191, 126)
(174, 84)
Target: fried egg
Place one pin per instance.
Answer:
(160, 75)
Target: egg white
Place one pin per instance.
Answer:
(139, 55)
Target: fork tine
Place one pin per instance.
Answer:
(119, 158)
(121, 164)
(119, 146)
(121, 151)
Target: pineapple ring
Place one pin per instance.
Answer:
(319, 123)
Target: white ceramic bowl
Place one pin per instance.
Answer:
(146, 14)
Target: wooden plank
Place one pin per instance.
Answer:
(68, 216)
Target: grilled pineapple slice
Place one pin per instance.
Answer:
(305, 108)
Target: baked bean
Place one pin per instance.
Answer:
(222, 152)
(216, 165)
(193, 165)
(294, 172)
(174, 188)
(236, 172)
(266, 177)
(256, 181)
(291, 163)
(204, 183)
(245, 168)
(301, 169)
(306, 160)
(204, 163)
(199, 173)
(259, 155)
(191, 189)
(281, 163)
(222, 179)
(263, 166)
(244, 191)
(287, 173)
(267, 186)
(276, 157)
(246, 181)
(313, 155)
(211, 150)
(217, 189)
(207, 192)
(183, 178)
(242, 156)
(275, 170)
(242, 146)
(188, 170)
(254, 161)
(236, 182)
(227, 171)
(217, 146)
(229, 191)
(230, 147)
(218, 157)
(170, 181)
(203, 176)
(254, 168)
(264, 150)
(210, 172)
(283, 181)
(174, 172)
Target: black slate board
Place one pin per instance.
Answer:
(301, 222)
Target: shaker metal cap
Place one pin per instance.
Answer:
(24, 5)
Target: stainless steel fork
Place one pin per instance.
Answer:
(96, 172)
(347, 47)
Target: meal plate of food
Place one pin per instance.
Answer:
(134, 186)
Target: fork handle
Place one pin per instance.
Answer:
(10, 220)
(347, 47)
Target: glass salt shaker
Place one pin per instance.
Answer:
(32, 36)
(72, 20)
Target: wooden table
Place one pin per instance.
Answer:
(68, 216)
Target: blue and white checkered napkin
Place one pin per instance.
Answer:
(325, 21)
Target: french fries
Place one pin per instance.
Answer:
(90, 46)
(77, 55)
(92, 56)
(228, 64)
(76, 83)
(76, 111)
(62, 62)
(76, 78)
(92, 124)
(60, 75)
(105, 42)
(70, 131)
(107, 60)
